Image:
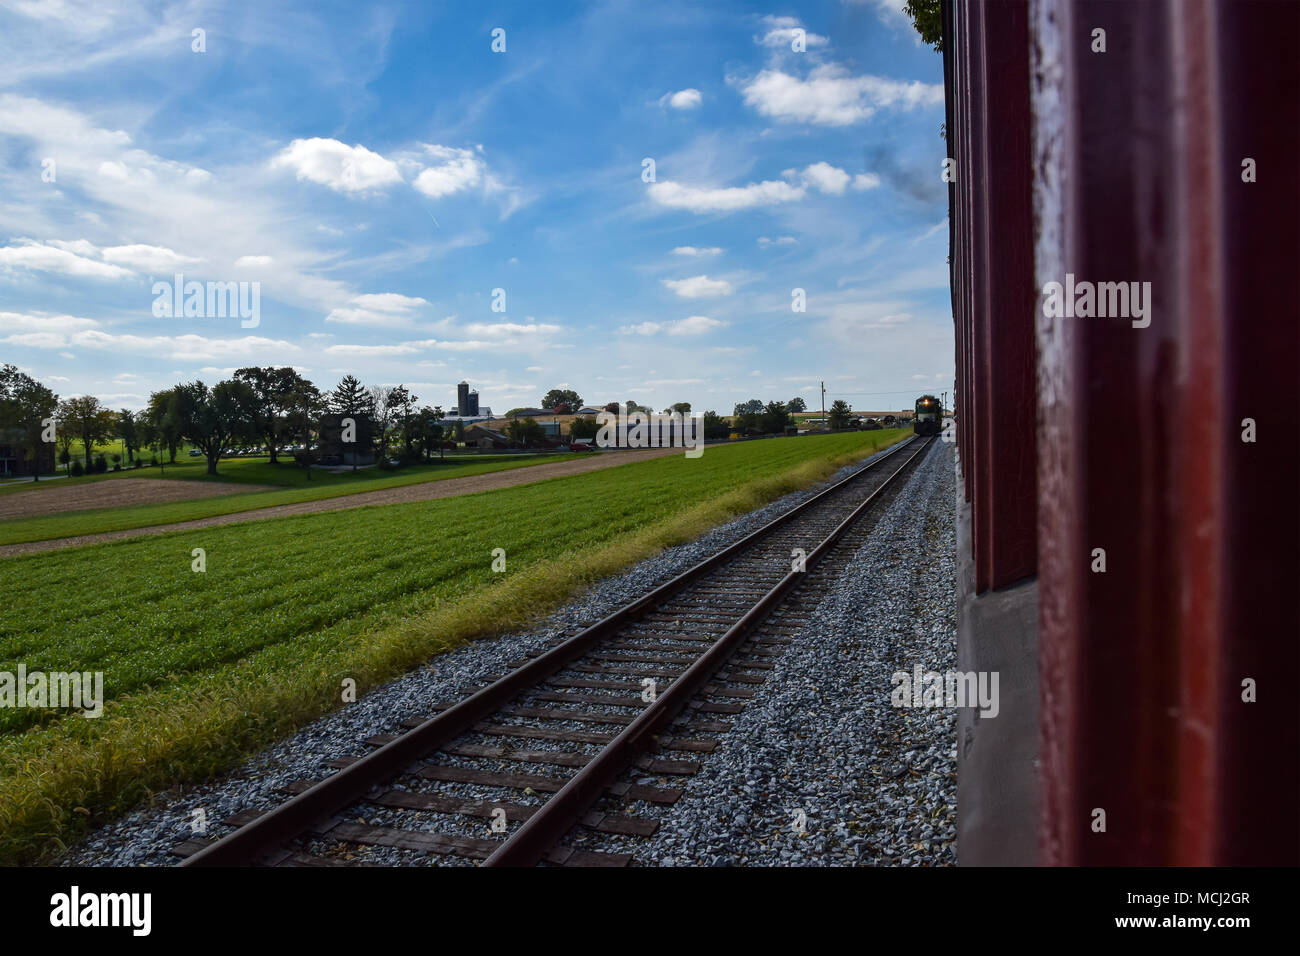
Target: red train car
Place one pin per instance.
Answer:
(1125, 227)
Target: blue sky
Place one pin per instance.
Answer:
(379, 171)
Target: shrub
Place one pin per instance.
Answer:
(584, 428)
(77, 470)
(153, 462)
(304, 460)
(101, 464)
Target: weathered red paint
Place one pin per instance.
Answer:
(994, 307)
(1135, 167)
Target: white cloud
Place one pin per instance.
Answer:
(697, 251)
(36, 340)
(727, 199)
(80, 257)
(510, 329)
(80, 247)
(24, 322)
(781, 33)
(687, 99)
(832, 180)
(374, 350)
(343, 168)
(692, 325)
(831, 96)
(827, 178)
(383, 308)
(147, 258)
(699, 287)
(253, 262)
(794, 186)
(462, 345)
(849, 319)
(192, 348)
(696, 325)
(764, 241)
(457, 170)
(941, 224)
(40, 257)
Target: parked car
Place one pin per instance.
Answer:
(195, 453)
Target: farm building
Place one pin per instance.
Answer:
(332, 446)
(484, 438)
(17, 461)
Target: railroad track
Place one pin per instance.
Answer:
(612, 715)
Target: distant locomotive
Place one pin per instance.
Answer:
(928, 419)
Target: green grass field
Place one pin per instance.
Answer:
(202, 668)
(293, 486)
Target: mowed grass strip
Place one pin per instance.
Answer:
(202, 668)
(299, 489)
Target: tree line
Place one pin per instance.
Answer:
(277, 408)
(272, 407)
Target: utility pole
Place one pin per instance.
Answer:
(825, 424)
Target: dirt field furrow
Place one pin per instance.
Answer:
(113, 494)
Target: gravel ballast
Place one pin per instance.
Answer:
(820, 769)
(873, 782)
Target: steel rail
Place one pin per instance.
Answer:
(251, 841)
(541, 831)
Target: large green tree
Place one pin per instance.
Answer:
(213, 418)
(128, 431)
(164, 421)
(525, 431)
(90, 420)
(26, 408)
(381, 413)
(401, 403)
(276, 392)
(715, 426)
(839, 414)
(349, 398)
(584, 427)
(305, 407)
(562, 396)
(749, 415)
(425, 430)
(774, 418)
(927, 17)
